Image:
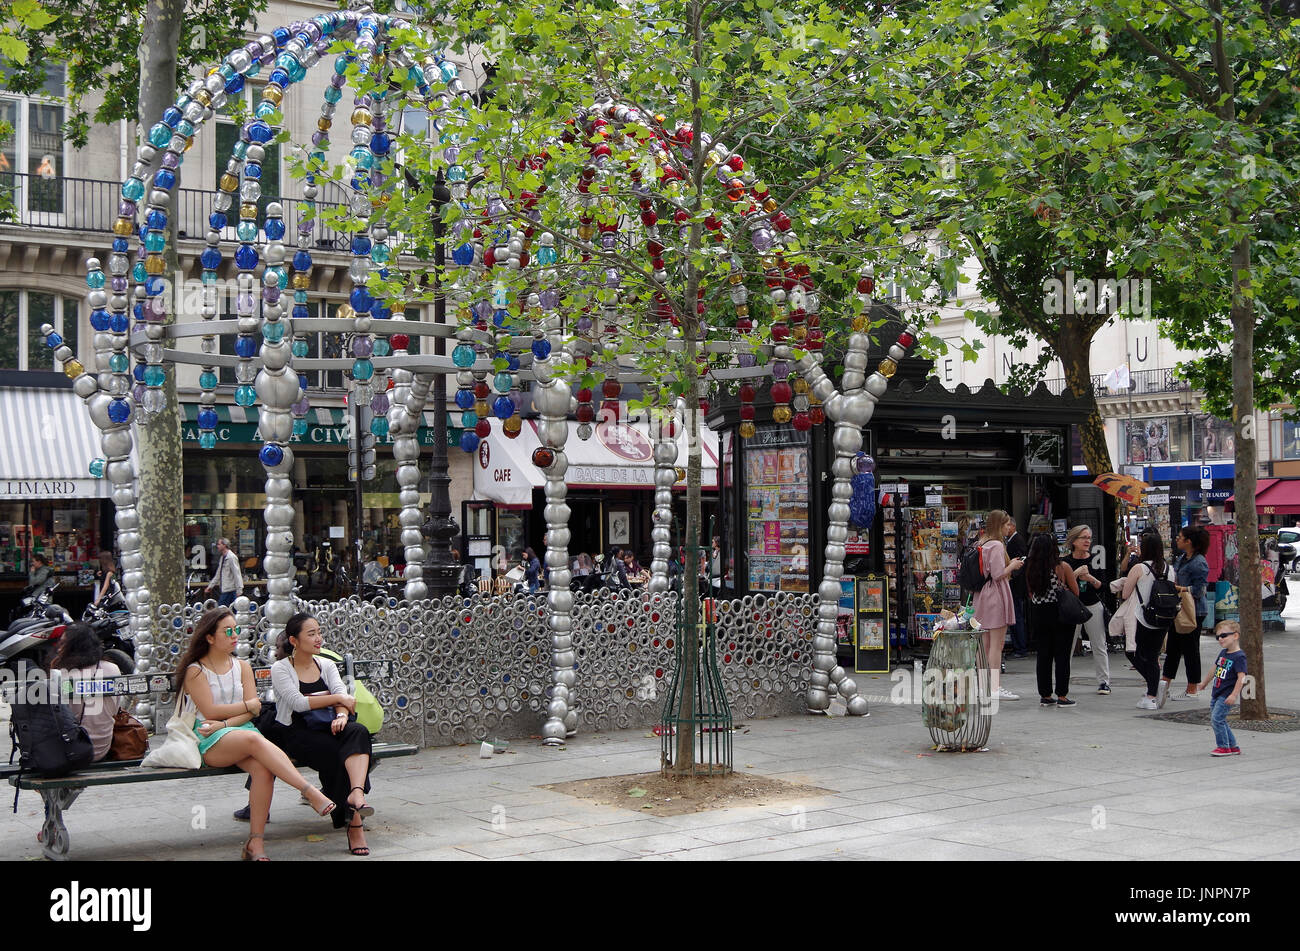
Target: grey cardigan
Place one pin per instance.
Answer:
(288, 698)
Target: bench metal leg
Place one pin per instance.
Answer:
(54, 834)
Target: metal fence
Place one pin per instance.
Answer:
(1140, 382)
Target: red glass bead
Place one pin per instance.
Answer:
(654, 248)
(400, 341)
(483, 429)
(814, 339)
(906, 339)
(482, 390)
(802, 422)
(611, 389)
(524, 259)
(781, 392)
(746, 392)
(817, 415)
(780, 332)
(681, 216)
(744, 324)
(543, 457)
(489, 257)
(735, 163)
(584, 395)
(586, 412)
(649, 219)
(747, 412)
(704, 406)
(866, 285)
(781, 221)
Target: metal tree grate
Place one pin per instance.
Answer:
(696, 706)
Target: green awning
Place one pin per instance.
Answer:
(326, 426)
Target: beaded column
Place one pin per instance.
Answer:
(662, 519)
(409, 397)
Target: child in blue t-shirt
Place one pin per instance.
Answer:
(1229, 675)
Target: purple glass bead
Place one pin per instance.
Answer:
(254, 49)
(268, 59)
(747, 359)
(761, 239)
(376, 177)
(304, 227)
(612, 278)
(119, 284)
(245, 303)
(380, 403)
(301, 407)
(483, 310)
(318, 137)
(362, 347)
(550, 299)
(478, 157)
(584, 324)
(126, 209)
(496, 208)
(362, 102)
(607, 240)
(155, 309)
(137, 393)
(271, 294)
(322, 47)
(337, 81)
(451, 153)
(378, 123)
(170, 160)
(780, 370)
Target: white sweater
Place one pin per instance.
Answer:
(289, 699)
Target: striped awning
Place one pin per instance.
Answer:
(47, 442)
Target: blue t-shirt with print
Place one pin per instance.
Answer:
(1227, 668)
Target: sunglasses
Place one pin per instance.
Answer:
(233, 631)
(1222, 636)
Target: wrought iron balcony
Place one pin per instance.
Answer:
(1141, 383)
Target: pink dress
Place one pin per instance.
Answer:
(994, 606)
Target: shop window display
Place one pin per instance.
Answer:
(777, 484)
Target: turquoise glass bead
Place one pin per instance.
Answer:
(160, 135)
(300, 348)
(95, 279)
(501, 297)
(133, 190)
(154, 241)
(300, 297)
(240, 149)
(265, 108)
(273, 331)
(379, 426)
(362, 370)
(138, 273)
(468, 419)
(185, 128)
(300, 427)
(455, 173)
(363, 157)
(503, 382)
(546, 255)
(119, 363)
(207, 440)
(97, 468)
(245, 395)
(208, 380)
(463, 356)
(380, 253)
(246, 230)
(281, 274)
(383, 348)
(154, 376)
(333, 95)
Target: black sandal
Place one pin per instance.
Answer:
(361, 850)
(365, 810)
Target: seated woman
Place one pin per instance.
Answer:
(637, 576)
(340, 753)
(221, 691)
(80, 657)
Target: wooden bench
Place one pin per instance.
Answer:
(59, 794)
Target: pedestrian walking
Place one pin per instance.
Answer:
(228, 580)
(1229, 676)
(1192, 571)
(1151, 630)
(995, 609)
(1078, 541)
(106, 587)
(1017, 547)
(1046, 575)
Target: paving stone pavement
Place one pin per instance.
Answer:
(1099, 781)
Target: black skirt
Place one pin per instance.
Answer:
(326, 752)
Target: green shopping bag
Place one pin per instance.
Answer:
(369, 713)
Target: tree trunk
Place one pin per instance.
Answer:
(1073, 351)
(1249, 588)
(159, 437)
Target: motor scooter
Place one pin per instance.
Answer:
(110, 621)
(29, 643)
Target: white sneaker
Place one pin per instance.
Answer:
(1005, 694)
(1162, 693)
(1182, 695)
(1147, 703)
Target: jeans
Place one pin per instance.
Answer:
(1096, 632)
(1019, 642)
(1223, 737)
(1186, 647)
(226, 598)
(1146, 658)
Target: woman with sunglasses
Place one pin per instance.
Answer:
(222, 694)
(318, 724)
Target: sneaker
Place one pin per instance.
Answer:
(1235, 751)
(1103, 688)
(1047, 702)
(1182, 695)
(1004, 667)
(1066, 702)
(1162, 694)
(1147, 703)
(1221, 751)
(1005, 694)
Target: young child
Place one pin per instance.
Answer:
(1229, 676)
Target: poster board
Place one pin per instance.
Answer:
(846, 618)
(777, 484)
(871, 641)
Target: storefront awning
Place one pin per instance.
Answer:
(616, 456)
(1276, 497)
(49, 442)
(326, 426)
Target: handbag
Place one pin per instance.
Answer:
(1070, 610)
(181, 747)
(1185, 621)
(130, 738)
(320, 719)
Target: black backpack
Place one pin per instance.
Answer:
(50, 741)
(1161, 607)
(971, 573)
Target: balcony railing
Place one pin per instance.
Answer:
(83, 204)
(1141, 382)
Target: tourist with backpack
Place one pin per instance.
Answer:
(1155, 586)
(995, 609)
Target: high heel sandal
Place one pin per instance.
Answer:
(361, 850)
(247, 855)
(365, 810)
(326, 809)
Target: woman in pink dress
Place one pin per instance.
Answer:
(994, 607)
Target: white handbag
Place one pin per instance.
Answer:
(181, 747)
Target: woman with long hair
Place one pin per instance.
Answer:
(636, 575)
(1078, 544)
(1192, 571)
(1045, 577)
(81, 657)
(340, 753)
(532, 570)
(995, 609)
(221, 693)
(1146, 656)
(106, 578)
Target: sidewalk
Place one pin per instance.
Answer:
(1099, 781)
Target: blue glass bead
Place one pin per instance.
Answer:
(299, 348)
(360, 244)
(165, 179)
(380, 143)
(119, 411)
(234, 85)
(541, 349)
(246, 230)
(207, 419)
(301, 310)
(362, 370)
(360, 300)
(133, 190)
(160, 135)
(154, 286)
(245, 395)
(53, 340)
(464, 398)
(246, 257)
(156, 220)
(302, 382)
(95, 279)
(97, 468)
(171, 115)
(279, 75)
(274, 229)
(503, 382)
(382, 348)
(504, 407)
(302, 261)
(271, 455)
(468, 440)
(217, 221)
(137, 311)
(210, 259)
(463, 356)
(379, 426)
(469, 419)
(273, 331)
(154, 376)
(121, 245)
(155, 241)
(100, 320)
(300, 427)
(207, 440)
(253, 171)
(137, 373)
(245, 346)
(208, 380)
(119, 323)
(281, 36)
(500, 316)
(512, 361)
(380, 312)
(259, 132)
(464, 254)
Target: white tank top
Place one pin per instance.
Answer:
(225, 688)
